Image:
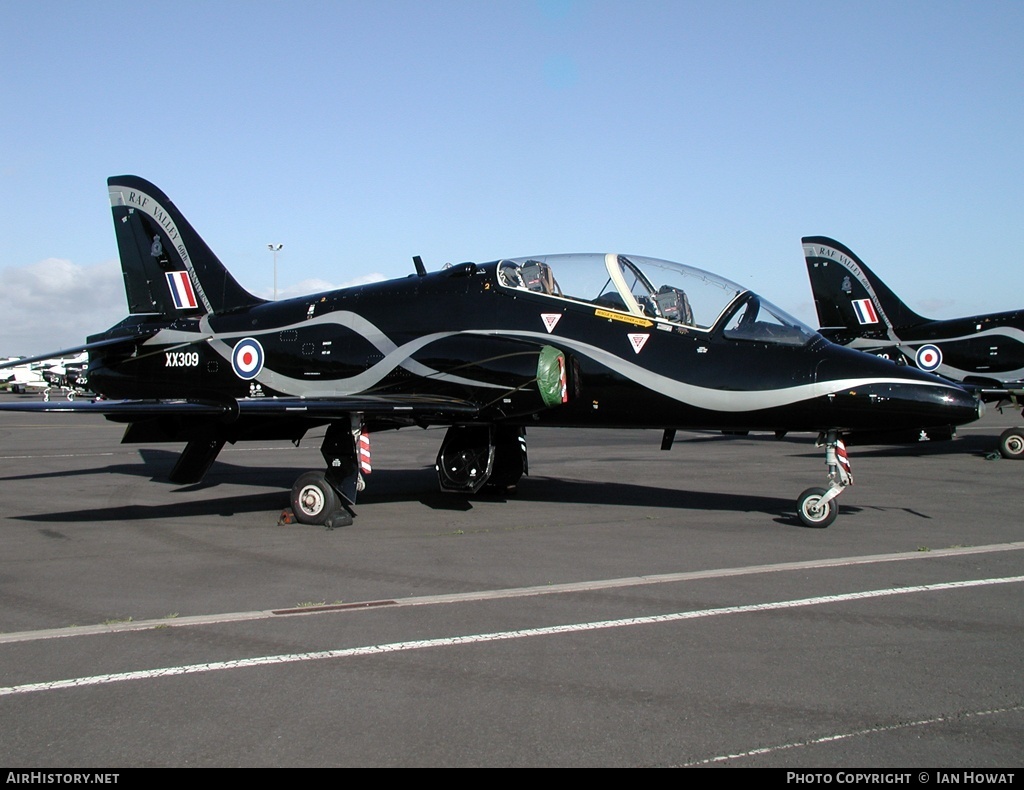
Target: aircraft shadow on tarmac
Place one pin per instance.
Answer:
(226, 506)
(419, 485)
(393, 485)
(407, 486)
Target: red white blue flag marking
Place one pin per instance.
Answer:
(247, 358)
(865, 311)
(181, 290)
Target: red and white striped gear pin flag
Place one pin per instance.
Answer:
(364, 454)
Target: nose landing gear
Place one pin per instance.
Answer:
(817, 507)
(1011, 443)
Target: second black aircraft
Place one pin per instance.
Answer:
(855, 308)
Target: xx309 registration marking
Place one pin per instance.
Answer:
(181, 359)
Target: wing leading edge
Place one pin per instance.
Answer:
(414, 407)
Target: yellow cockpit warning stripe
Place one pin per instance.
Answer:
(626, 319)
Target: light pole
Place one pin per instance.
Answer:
(275, 248)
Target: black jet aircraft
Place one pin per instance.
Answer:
(856, 309)
(484, 349)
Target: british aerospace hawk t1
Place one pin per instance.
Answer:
(486, 349)
(985, 352)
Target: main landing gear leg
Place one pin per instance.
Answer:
(326, 498)
(817, 507)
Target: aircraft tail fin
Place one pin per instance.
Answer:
(168, 268)
(849, 298)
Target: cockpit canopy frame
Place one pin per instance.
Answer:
(686, 297)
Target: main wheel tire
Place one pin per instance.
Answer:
(313, 499)
(812, 513)
(1011, 443)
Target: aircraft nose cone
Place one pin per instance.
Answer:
(926, 403)
(960, 406)
(877, 395)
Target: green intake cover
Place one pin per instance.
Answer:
(551, 375)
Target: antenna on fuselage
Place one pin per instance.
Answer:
(421, 270)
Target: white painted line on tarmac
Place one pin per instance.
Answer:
(61, 455)
(131, 452)
(855, 734)
(494, 595)
(396, 647)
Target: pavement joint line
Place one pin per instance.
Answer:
(487, 595)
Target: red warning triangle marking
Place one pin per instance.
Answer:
(638, 341)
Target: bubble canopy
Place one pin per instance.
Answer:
(656, 290)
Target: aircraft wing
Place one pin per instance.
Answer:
(412, 407)
(73, 351)
(1012, 391)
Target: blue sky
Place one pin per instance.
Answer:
(358, 134)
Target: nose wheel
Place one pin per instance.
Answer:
(817, 507)
(1011, 443)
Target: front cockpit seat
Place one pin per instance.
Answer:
(673, 304)
(539, 278)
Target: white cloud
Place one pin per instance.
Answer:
(55, 303)
(930, 307)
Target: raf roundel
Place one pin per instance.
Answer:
(247, 358)
(928, 357)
